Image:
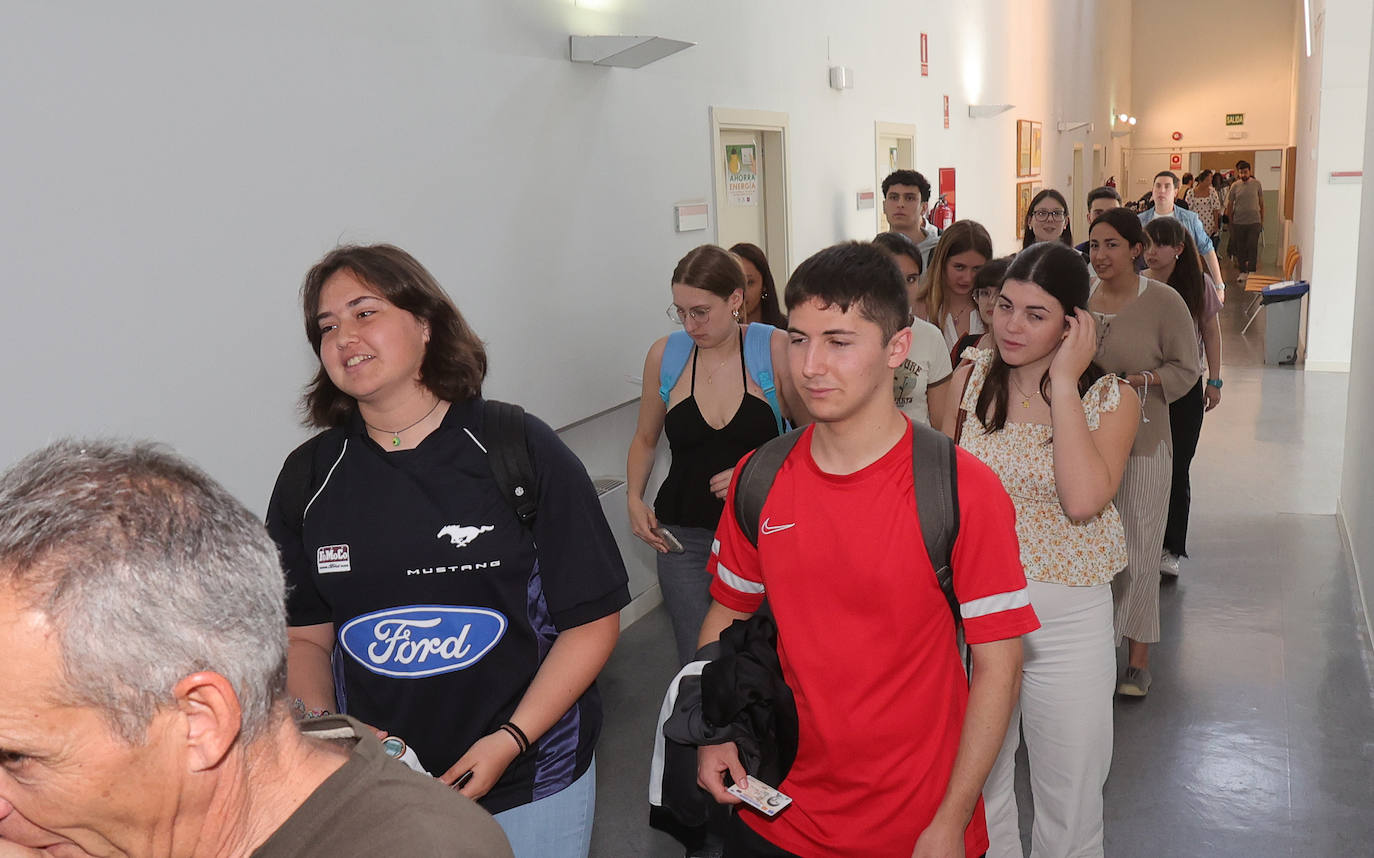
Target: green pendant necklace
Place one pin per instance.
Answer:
(396, 436)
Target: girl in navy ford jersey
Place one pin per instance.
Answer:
(419, 603)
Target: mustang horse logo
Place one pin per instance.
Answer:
(461, 535)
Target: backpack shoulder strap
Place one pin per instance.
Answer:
(503, 430)
(675, 354)
(937, 503)
(756, 479)
(758, 360)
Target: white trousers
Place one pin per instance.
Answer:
(1065, 708)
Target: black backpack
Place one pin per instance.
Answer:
(937, 496)
(503, 439)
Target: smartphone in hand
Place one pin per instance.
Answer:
(666, 535)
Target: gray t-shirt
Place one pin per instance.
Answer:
(375, 805)
(1245, 201)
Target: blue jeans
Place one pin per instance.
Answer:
(686, 586)
(558, 826)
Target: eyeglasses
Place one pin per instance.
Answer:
(696, 314)
(1045, 216)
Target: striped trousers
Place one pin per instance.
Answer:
(1143, 500)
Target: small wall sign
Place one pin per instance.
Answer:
(1235, 119)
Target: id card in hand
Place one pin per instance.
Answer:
(761, 797)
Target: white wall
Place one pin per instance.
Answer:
(1333, 88)
(1357, 477)
(1180, 86)
(171, 170)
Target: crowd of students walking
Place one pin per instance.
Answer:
(1078, 376)
(915, 501)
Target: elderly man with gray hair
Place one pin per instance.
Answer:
(143, 628)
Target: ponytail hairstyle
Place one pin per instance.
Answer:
(1060, 271)
(1127, 225)
(1187, 277)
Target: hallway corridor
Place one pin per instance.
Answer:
(1257, 738)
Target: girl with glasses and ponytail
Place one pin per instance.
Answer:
(718, 388)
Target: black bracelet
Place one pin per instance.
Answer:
(521, 740)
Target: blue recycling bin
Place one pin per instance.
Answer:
(1282, 316)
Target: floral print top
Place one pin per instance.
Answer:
(1054, 549)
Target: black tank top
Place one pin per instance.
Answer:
(699, 452)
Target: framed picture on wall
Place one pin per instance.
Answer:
(1035, 131)
(1024, 192)
(1023, 147)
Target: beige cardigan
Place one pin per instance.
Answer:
(1154, 332)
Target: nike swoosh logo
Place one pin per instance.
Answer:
(774, 528)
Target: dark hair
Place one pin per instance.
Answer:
(1103, 193)
(992, 275)
(1187, 277)
(1029, 235)
(1162, 173)
(853, 274)
(1243, 164)
(455, 362)
(962, 236)
(1187, 178)
(711, 268)
(900, 244)
(1059, 270)
(1126, 223)
(908, 177)
(768, 301)
(1202, 177)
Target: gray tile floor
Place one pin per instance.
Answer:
(1257, 738)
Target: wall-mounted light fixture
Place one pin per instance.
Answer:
(1074, 126)
(1126, 120)
(630, 52)
(986, 111)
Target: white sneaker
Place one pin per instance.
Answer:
(1168, 565)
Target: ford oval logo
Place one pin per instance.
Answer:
(422, 640)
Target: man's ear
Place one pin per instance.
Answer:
(213, 718)
(898, 347)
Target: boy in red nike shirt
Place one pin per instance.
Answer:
(894, 742)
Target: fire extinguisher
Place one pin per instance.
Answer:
(942, 215)
(1111, 182)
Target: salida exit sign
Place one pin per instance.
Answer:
(1235, 119)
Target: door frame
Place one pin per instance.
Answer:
(902, 131)
(777, 187)
(1079, 193)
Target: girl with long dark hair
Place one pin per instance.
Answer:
(1146, 336)
(760, 294)
(1172, 258)
(1057, 431)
